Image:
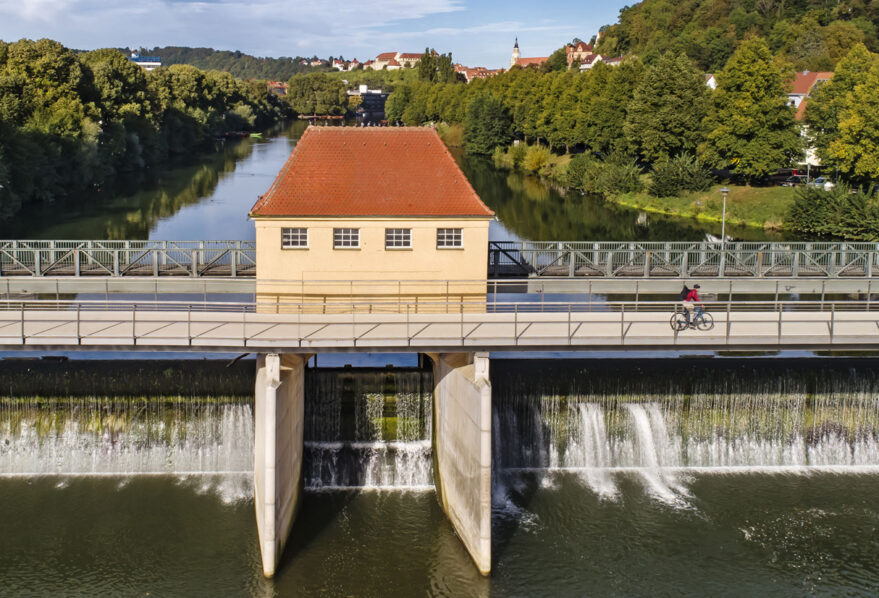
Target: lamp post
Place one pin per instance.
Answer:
(724, 192)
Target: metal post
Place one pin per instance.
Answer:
(780, 312)
(516, 322)
(569, 323)
(189, 324)
(133, 323)
(622, 323)
(728, 313)
(832, 320)
(78, 316)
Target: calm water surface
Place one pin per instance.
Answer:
(741, 535)
(209, 198)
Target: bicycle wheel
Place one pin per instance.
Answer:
(705, 321)
(677, 322)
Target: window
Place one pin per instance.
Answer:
(449, 237)
(398, 238)
(294, 238)
(346, 238)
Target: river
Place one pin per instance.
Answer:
(610, 479)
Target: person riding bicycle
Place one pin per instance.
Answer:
(692, 304)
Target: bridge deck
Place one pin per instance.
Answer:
(237, 327)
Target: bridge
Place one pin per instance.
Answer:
(431, 327)
(60, 267)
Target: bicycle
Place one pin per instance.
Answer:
(702, 320)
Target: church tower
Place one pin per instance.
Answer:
(515, 58)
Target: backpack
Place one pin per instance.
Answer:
(684, 292)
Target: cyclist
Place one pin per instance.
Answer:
(693, 304)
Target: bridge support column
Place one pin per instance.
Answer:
(462, 448)
(279, 413)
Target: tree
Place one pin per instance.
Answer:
(666, 113)
(557, 61)
(855, 150)
(445, 72)
(752, 127)
(487, 124)
(828, 101)
(427, 66)
(317, 93)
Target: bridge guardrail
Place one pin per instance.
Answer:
(243, 326)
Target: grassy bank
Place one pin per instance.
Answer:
(762, 207)
(452, 135)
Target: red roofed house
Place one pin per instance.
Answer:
(516, 59)
(378, 214)
(382, 60)
(578, 52)
(803, 85)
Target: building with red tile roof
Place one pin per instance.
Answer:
(802, 86)
(370, 204)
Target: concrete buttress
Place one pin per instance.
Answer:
(462, 448)
(279, 411)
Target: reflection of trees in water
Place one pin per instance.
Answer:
(532, 209)
(133, 207)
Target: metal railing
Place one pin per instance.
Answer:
(472, 325)
(506, 259)
(128, 258)
(681, 260)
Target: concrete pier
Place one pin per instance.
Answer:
(462, 448)
(279, 412)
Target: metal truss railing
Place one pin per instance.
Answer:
(681, 260)
(128, 258)
(469, 325)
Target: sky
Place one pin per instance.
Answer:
(478, 33)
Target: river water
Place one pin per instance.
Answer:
(610, 479)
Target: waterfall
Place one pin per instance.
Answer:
(124, 437)
(606, 424)
(368, 428)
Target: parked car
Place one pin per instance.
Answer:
(793, 181)
(822, 182)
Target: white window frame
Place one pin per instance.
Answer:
(293, 237)
(398, 238)
(450, 238)
(346, 238)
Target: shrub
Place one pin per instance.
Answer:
(683, 173)
(838, 212)
(576, 170)
(535, 158)
(517, 154)
(612, 177)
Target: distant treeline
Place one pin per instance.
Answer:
(72, 121)
(808, 34)
(238, 64)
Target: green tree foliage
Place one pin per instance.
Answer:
(752, 128)
(835, 213)
(317, 93)
(487, 124)
(671, 176)
(238, 64)
(827, 102)
(615, 175)
(427, 66)
(855, 150)
(810, 34)
(69, 122)
(445, 69)
(557, 61)
(665, 116)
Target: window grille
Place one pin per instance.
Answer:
(398, 238)
(346, 238)
(449, 237)
(293, 238)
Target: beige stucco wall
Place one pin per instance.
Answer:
(421, 273)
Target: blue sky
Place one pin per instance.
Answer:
(477, 33)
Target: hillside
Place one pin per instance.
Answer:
(810, 34)
(240, 65)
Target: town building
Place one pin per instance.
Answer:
(710, 81)
(378, 215)
(352, 66)
(577, 52)
(803, 85)
(382, 60)
(277, 87)
(408, 59)
(371, 106)
(517, 60)
(478, 72)
(339, 65)
(147, 63)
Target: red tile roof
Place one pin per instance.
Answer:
(410, 55)
(381, 171)
(386, 56)
(801, 110)
(534, 60)
(393, 62)
(805, 80)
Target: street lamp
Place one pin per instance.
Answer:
(724, 192)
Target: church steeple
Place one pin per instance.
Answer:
(514, 59)
(516, 45)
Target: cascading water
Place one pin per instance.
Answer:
(129, 437)
(656, 425)
(368, 428)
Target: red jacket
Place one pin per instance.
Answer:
(693, 295)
